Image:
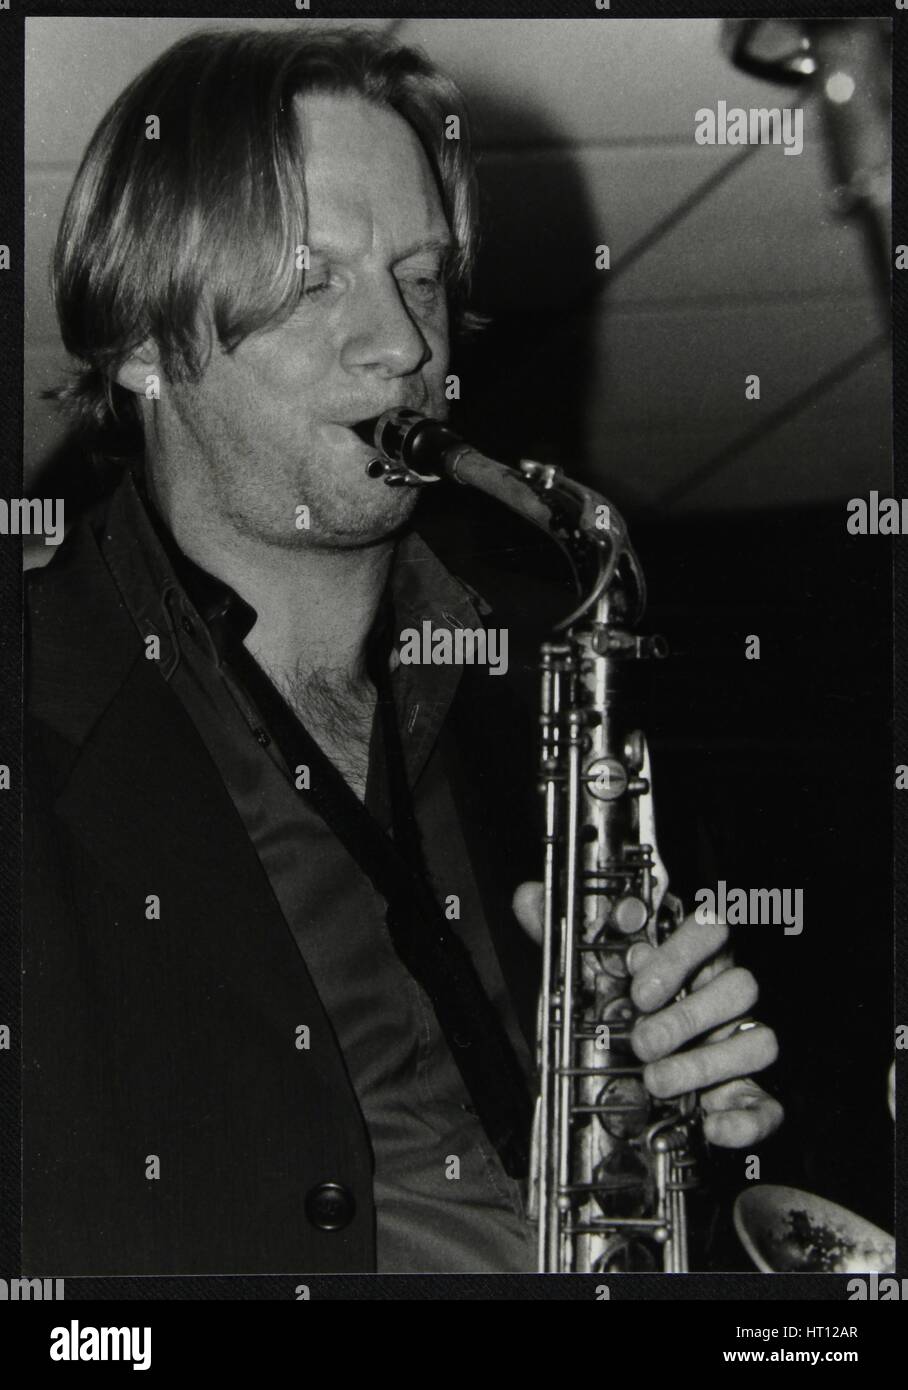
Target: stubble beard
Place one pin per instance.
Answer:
(335, 521)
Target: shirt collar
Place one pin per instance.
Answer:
(172, 598)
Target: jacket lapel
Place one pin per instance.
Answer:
(140, 793)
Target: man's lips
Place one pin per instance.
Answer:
(365, 429)
(363, 426)
(360, 434)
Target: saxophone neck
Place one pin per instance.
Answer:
(593, 534)
(415, 450)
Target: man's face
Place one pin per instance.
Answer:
(267, 427)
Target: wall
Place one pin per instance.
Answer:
(585, 132)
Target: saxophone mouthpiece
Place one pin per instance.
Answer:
(367, 430)
(396, 436)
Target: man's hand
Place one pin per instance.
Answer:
(737, 1112)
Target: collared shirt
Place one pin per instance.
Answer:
(443, 1200)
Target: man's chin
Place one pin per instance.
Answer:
(382, 520)
(340, 522)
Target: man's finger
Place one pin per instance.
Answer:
(714, 1062)
(664, 971)
(727, 996)
(723, 961)
(739, 1113)
(527, 905)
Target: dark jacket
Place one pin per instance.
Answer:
(174, 1040)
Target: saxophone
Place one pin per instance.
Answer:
(610, 1165)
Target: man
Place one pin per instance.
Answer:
(279, 1014)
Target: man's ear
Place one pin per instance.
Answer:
(140, 372)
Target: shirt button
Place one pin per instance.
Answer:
(462, 1039)
(261, 737)
(330, 1207)
(187, 626)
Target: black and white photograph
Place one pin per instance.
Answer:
(457, 518)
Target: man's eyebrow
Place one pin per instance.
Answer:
(442, 244)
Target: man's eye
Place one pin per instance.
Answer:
(310, 291)
(425, 288)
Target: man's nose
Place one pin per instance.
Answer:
(383, 337)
